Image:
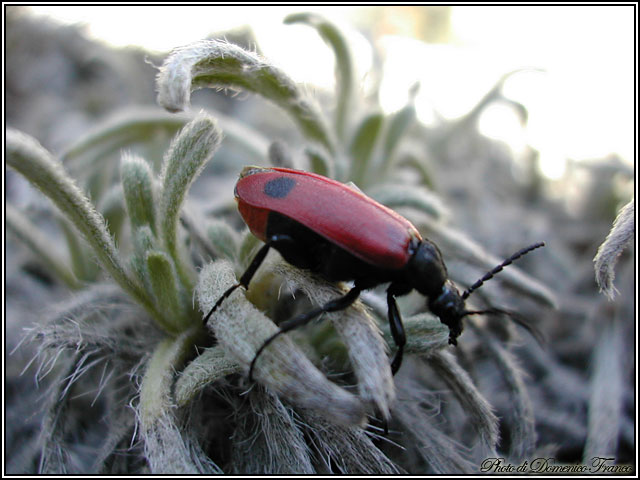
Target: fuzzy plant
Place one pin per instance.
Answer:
(136, 382)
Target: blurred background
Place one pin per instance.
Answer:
(578, 93)
(525, 121)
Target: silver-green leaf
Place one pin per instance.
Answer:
(137, 185)
(218, 64)
(29, 158)
(185, 160)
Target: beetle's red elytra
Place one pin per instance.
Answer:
(322, 225)
(342, 215)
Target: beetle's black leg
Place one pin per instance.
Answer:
(397, 330)
(244, 280)
(332, 306)
(274, 241)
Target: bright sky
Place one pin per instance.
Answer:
(582, 107)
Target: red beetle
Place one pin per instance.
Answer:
(324, 226)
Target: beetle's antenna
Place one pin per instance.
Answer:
(490, 274)
(524, 323)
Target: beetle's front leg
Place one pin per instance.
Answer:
(275, 241)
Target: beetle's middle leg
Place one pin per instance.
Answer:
(395, 323)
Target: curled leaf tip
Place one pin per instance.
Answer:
(221, 65)
(621, 234)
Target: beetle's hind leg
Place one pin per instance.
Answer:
(333, 306)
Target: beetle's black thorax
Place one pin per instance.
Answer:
(426, 271)
(428, 274)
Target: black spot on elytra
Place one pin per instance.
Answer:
(279, 187)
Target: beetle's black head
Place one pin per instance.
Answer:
(428, 275)
(449, 307)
